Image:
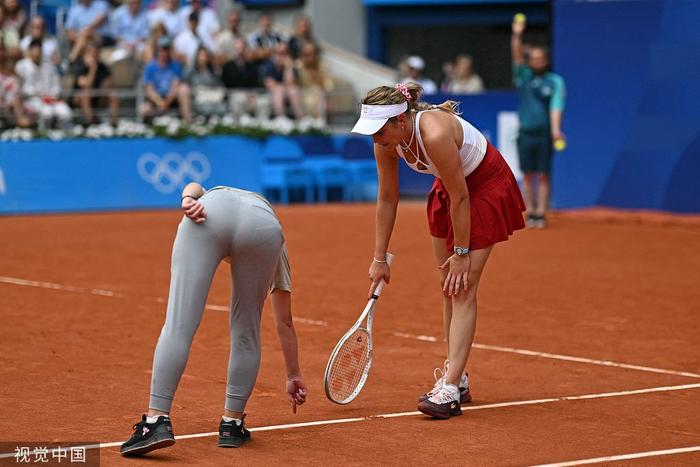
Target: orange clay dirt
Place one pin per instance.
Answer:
(82, 304)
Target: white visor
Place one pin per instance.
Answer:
(373, 117)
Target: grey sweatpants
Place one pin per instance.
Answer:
(240, 225)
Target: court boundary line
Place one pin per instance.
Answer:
(366, 418)
(553, 356)
(312, 322)
(620, 457)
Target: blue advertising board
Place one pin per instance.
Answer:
(77, 175)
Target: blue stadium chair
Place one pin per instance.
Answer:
(358, 155)
(329, 170)
(283, 172)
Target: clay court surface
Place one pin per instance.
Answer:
(587, 342)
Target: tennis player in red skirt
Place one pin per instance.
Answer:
(474, 203)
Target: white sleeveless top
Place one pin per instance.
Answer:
(471, 153)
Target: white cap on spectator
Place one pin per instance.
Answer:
(414, 61)
(373, 117)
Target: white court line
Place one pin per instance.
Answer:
(111, 293)
(532, 353)
(567, 358)
(621, 457)
(54, 286)
(412, 414)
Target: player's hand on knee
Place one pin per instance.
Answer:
(457, 268)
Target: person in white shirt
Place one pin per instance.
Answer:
(41, 86)
(464, 79)
(187, 42)
(87, 19)
(37, 30)
(208, 27)
(414, 69)
(225, 40)
(130, 27)
(168, 14)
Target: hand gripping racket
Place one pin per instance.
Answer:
(348, 367)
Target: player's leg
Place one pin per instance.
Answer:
(463, 324)
(254, 257)
(445, 402)
(195, 257)
(441, 255)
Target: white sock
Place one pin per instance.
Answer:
(454, 390)
(464, 382)
(229, 419)
(154, 419)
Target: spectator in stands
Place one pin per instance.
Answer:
(93, 84)
(225, 49)
(314, 81)
(414, 69)
(541, 96)
(41, 86)
(129, 24)
(162, 79)
(11, 110)
(448, 69)
(150, 50)
(9, 36)
(208, 26)
(37, 30)
(464, 79)
(208, 94)
(240, 76)
(302, 35)
(263, 40)
(280, 79)
(15, 17)
(187, 42)
(87, 20)
(168, 14)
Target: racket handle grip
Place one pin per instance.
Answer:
(389, 260)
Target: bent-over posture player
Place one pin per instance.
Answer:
(221, 224)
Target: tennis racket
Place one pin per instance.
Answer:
(348, 367)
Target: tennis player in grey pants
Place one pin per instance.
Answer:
(240, 227)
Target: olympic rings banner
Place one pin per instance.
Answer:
(86, 175)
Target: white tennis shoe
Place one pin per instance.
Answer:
(440, 374)
(443, 404)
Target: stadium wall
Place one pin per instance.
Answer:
(632, 71)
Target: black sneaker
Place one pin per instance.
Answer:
(444, 404)
(149, 436)
(232, 435)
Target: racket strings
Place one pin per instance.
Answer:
(349, 365)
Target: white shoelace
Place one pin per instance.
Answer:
(446, 394)
(440, 380)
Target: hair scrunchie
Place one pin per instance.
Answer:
(404, 90)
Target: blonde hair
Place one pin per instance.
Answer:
(386, 95)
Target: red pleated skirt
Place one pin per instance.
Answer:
(495, 203)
